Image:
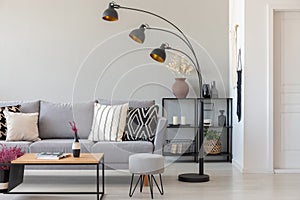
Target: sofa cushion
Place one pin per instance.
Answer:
(119, 152)
(21, 126)
(132, 103)
(109, 122)
(55, 117)
(141, 124)
(24, 145)
(64, 145)
(26, 106)
(3, 123)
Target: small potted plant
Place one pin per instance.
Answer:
(212, 143)
(7, 154)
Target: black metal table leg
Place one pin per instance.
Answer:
(103, 181)
(97, 181)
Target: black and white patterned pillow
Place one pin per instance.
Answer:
(141, 124)
(3, 126)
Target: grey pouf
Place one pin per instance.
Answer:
(148, 164)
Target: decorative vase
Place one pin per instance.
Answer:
(4, 178)
(221, 118)
(206, 91)
(76, 146)
(213, 90)
(180, 88)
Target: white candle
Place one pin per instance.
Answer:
(183, 120)
(175, 120)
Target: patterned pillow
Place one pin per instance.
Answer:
(109, 122)
(141, 124)
(3, 125)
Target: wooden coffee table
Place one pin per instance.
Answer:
(18, 165)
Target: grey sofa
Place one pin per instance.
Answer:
(56, 134)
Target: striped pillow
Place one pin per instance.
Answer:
(109, 122)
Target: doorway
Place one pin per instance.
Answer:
(286, 90)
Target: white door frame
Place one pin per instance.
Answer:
(272, 8)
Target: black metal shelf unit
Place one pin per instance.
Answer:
(183, 139)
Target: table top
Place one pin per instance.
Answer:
(85, 158)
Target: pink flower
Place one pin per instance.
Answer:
(8, 154)
(73, 126)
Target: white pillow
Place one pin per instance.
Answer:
(21, 126)
(109, 122)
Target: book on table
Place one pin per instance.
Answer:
(51, 155)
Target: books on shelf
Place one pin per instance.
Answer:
(52, 155)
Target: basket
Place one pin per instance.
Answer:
(212, 146)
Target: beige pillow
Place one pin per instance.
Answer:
(21, 126)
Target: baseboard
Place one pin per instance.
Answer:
(287, 171)
(237, 165)
(258, 171)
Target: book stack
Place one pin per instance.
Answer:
(51, 155)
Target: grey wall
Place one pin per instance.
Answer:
(60, 50)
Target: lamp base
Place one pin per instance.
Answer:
(193, 177)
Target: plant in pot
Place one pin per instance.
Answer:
(7, 154)
(212, 143)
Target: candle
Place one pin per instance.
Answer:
(183, 120)
(175, 120)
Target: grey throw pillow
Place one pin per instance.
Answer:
(54, 119)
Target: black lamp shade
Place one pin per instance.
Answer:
(138, 35)
(110, 14)
(159, 55)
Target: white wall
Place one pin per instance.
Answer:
(237, 17)
(257, 146)
(43, 45)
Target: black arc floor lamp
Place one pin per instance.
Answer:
(159, 54)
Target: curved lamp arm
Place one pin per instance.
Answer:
(113, 5)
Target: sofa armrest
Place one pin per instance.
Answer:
(160, 135)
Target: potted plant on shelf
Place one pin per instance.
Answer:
(212, 143)
(7, 154)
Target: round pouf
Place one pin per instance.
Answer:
(146, 164)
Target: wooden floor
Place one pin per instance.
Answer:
(226, 183)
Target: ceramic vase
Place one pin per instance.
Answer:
(213, 90)
(180, 88)
(206, 91)
(76, 147)
(221, 118)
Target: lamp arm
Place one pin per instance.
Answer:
(116, 6)
(186, 42)
(194, 64)
(168, 31)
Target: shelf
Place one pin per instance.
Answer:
(180, 126)
(220, 154)
(217, 127)
(180, 154)
(198, 109)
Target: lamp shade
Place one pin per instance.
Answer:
(159, 55)
(138, 35)
(110, 14)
